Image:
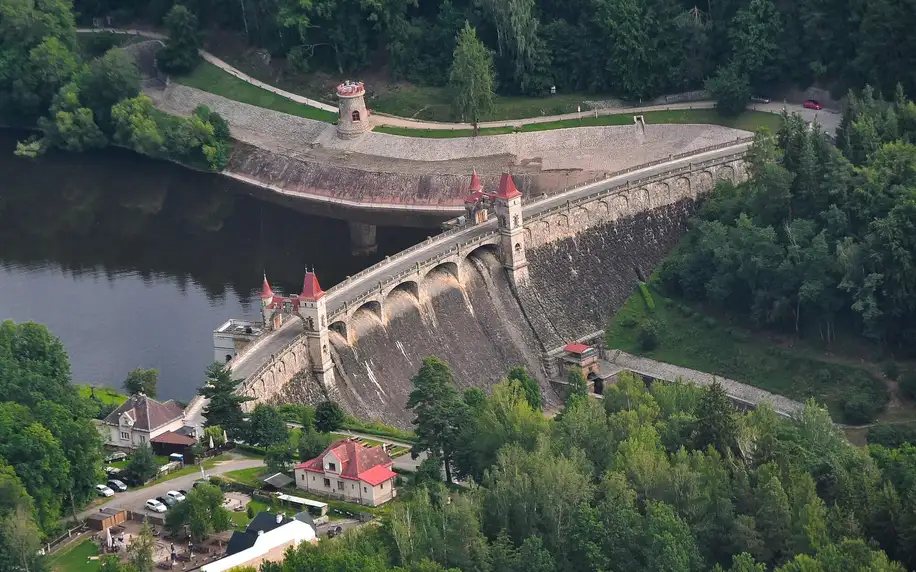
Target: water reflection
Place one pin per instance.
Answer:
(133, 262)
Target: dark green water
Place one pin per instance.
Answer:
(133, 262)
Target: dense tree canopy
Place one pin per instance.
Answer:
(821, 237)
(630, 48)
(645, 481)
(50, 451)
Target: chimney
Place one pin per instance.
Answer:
(279, 518)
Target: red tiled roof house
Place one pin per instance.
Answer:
(139, 420)
(351, 472)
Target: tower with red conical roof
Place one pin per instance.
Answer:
(314, 313)
(508, 203)
(269, 316)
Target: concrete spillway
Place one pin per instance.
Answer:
(477, 327)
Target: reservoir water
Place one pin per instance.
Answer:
(133, 262)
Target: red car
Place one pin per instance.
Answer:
(812, 104)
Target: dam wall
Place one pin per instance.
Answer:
(452, 297)
(477, 326)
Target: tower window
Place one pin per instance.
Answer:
(518, 247)
(355, 115)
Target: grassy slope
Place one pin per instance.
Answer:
(208, 77)
(75, 559)
(106, 395)
(702, 343)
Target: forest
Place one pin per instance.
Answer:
(821, 237)
(81, 99)
(661, 478)
(628, 48)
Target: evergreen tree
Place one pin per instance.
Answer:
(716, 423)
(439, 412)
(181, 52)
(224, 407)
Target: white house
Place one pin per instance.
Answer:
(350, 471)
(267, 538)
(139, 420)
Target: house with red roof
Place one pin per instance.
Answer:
(350, 471)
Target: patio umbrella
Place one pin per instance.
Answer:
(211, 441)
(225, 437)
(108, 540)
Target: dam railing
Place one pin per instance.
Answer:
(481, 237)
(330, 292)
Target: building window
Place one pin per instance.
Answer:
(340, 485)
(301, 477)
(365, 490)
(142, 438)
(332, 466)
(313, 477)
(383, 486)
(327, 483)
(355, 115)
(125, 435)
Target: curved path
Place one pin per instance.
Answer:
(829, 120)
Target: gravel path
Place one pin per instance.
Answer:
(737, 391)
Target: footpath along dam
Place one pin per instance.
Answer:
(519, 278)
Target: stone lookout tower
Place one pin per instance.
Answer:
(353, 117)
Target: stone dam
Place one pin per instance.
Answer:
(489, 296)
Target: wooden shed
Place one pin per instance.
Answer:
(106, 518)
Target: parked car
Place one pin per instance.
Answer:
(199, 482)
(184, 492)
(116, 485)
(175, 495)
(168, 501)
(116, 456)
(812, 104)
(758, 99)
(104, 491)
(155, 506)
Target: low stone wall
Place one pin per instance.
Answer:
(739, 392)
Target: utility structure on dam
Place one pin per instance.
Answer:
(489, 294)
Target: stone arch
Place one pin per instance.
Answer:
(579, 216)
(621, 206)
(373, 307)
(483, 248)
(562, 221)
(447, 266)
(681, 189)
(340, 327)
(660, 193)
(704, 182)
(355, 115)
(725, 173)
(540, 232)
(409, 286)
(602, 209)
(641, 199)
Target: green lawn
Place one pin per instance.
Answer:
(691, 339)
(208, 77)
(106, 395)
(408, 101)
(75, 558)
(749, 121)
(247, 476)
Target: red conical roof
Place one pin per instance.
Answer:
(507, 188)
(266, 292)
(311, 289)
(475, 183)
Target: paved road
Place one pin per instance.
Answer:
(368, 282)
(135, 500)
(829, 120)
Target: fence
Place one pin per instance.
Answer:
(63, 539)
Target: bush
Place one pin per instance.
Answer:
(646, 296)
(709, 321)
(648, 335)
(907, 385)
(891, 371)
(628, 321)
(860, 408)
(250, 511)
(891, 436)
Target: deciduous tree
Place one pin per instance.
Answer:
(471, 77)
(141, 381)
